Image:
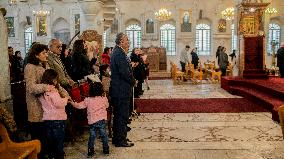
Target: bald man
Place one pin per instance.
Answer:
(54, 62)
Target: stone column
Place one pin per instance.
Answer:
(5, 86)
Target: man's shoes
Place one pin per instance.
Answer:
(124, 145)
(128, 128)
(106, 150)
(91, 152)
(129, 120)
(128, 140)
(148, 88)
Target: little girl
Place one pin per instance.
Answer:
(54, 115)
(96, 106)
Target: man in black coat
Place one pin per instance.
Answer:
(121, 85)
(280, 59)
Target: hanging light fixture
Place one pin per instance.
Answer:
(12, 2)
(228, 13)
(41, 12)
(163, 14)
(271, 11)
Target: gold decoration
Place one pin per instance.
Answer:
(163, 14)
(271, 11)
(7, 119)
(251, 15)
(228, 13)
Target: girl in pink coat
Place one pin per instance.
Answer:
(54, 115)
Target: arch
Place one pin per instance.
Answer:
(168, 38)
(61, 30)
(185, 18)
(132, 21)
(149, 25)
(204, 21)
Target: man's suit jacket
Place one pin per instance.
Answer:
(55, 63)
(121, 74)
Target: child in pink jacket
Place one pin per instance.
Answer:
(96, 106)
(54, 115)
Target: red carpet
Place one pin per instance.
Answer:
(159, 78)
(208, 105)
(268, 93)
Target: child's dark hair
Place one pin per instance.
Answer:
(48, 76)
(96, 89)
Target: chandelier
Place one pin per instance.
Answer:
(41, 12)
(270, 11)
(163, 14)
(228, 13)
(12, 2)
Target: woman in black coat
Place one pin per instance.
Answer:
(194, 57)
(80, 62)
(139, 70)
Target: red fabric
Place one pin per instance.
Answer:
(105, 59)
(208, 105)
(84, 88)
(267, 92)
(75, 94)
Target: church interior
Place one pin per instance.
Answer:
(214, 87)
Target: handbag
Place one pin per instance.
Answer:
(75, 94)
(84, 89)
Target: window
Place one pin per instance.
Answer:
(273, 34)
(77, 23)
(10, 26)
(234, 38)
(105, 39)
(203, 39)
(168, 38)
(134, 34)
(28, 35)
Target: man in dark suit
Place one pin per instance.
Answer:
(280, 59)
(121, 85)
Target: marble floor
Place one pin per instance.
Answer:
(160, 89)
(193, 135)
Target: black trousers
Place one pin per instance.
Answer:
(182, 64)
(281, 71)
(120, 119)
(38, 131)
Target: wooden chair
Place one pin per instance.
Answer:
(216, 76)
(229, 70)
(11, 150)
(198, 75)
(177, 75)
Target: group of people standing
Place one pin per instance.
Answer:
(221, 55)
(51, 71)
(184, 57)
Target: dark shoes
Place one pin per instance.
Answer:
(126, 144)
(148, 88)
(106, 150)
(128, 128)
(91, 152)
